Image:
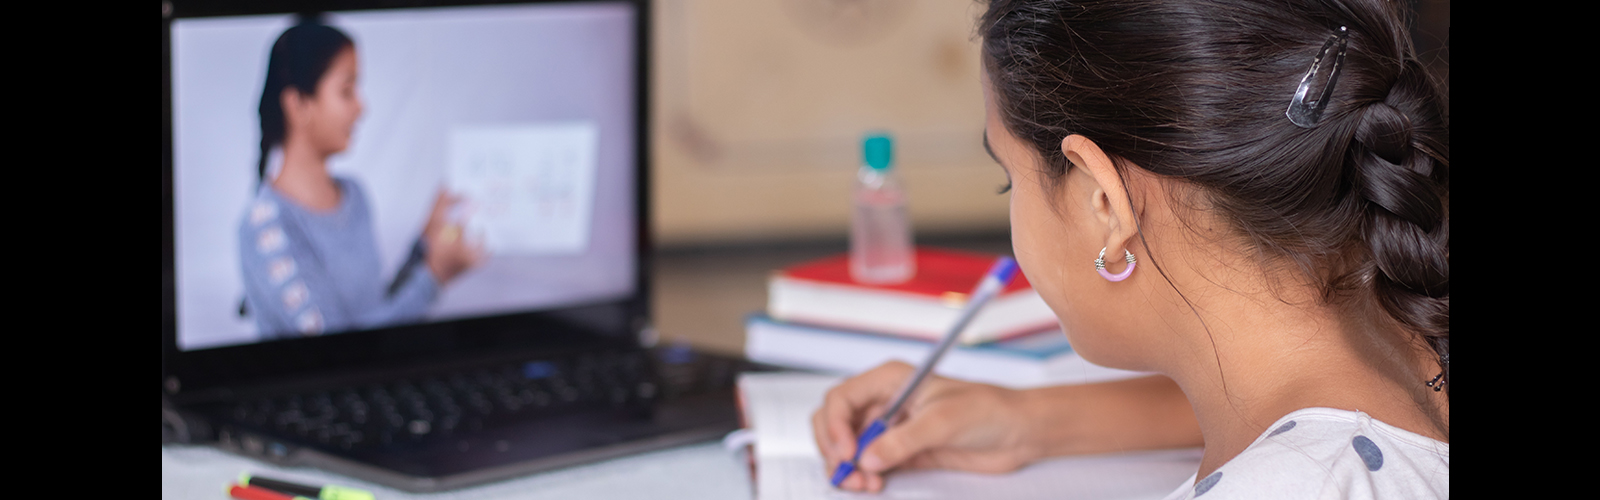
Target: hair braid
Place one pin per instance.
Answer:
(1404, 178)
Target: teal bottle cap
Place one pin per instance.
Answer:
(878, 150)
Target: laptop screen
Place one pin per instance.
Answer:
(361, 170)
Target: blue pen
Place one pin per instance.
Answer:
(992, 283)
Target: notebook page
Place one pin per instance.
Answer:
(789, 467)
(780, 407)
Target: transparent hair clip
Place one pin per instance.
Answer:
(1307, 113)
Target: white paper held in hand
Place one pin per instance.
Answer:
(528, 187)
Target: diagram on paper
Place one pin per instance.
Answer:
(529, 188)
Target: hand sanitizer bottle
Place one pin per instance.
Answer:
(880, 231)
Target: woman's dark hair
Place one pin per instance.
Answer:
(1196, 90)
(299, 58)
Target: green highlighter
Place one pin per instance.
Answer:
(329, 492)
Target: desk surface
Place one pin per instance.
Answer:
(702, 471)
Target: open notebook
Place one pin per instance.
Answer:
(778, 408)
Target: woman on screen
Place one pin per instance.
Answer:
(1250, 198)
(307, 247)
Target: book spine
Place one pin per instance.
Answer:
(843, 353)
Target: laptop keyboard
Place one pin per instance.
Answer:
(448, 404)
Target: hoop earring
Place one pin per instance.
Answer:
(1100, 265)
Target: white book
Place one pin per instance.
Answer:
(778, 407)
(1040, 359)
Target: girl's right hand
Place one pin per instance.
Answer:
(449, 251)
(948, 424)
(951, 424)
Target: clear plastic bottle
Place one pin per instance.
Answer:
(880, 231)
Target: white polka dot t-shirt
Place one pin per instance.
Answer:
(1325, 453)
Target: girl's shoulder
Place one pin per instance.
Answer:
(261, 225)
(1328, 453)
(270, 205)
(350, 190)
(263, 208)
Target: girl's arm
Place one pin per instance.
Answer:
(953, 424)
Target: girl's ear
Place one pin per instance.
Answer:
(291, 102)
(1109, 196)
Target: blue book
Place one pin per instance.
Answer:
(1033, 360)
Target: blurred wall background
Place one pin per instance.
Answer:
(759, 107)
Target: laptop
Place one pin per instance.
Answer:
(410, 244)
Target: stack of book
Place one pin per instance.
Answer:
(819, 319)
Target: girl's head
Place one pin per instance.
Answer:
(1187, 99)
(310, 93)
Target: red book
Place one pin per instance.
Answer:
(821, 293)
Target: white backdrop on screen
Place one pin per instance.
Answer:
(421, 78)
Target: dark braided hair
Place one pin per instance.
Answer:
(1196, 90)
(299, 58)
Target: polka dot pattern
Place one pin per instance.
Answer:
(1205, 484)
(1302, 451)
(1369, 452)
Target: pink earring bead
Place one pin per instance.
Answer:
(1100, 266)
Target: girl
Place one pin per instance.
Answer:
(1249, 197)
(308, 251)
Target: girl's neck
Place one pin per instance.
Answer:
(304, 179)
(1264, 359)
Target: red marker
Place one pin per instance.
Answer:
(258, 493)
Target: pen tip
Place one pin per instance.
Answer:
(841, 473)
